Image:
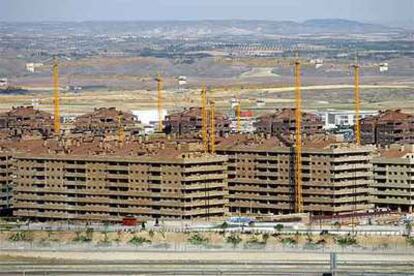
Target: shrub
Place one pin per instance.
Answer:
(224, 225)
(197, 239)
(289, 241)
(151, 233)
(89, 233)
(410, 241)
(82, 238)
(265, 237)
(234, 239)
(337, 225)
(139, 240)
(346, 241)
(21, 236)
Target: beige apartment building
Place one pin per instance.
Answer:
(394, 178)
(6, 181)
(108, 187)
(336, 176)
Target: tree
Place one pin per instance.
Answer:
(279, 227)
(408, 227)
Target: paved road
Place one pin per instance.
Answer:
(201, 263)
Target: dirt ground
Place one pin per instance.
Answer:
(161, 237)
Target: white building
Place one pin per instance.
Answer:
(149, 118)
(383, 67)
(3, 82)
(334, 118)
(31, 67)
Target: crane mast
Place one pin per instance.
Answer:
(204, 118)
(159, 101)
(121, 132)
(357, 105)
(298, 140)
(212, 127)
(238, 116)
(56, 96)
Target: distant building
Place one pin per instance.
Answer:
(149, 118)
(189, 122)
(388, 127)
(346, 118)
(282, 122)
(394, 178)
(26, 121)
(383, 67)
(31, 67)
(106, 121)
(3, 82)
(247, 122)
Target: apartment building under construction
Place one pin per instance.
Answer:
(6, 184)
(336, 176)
(173, 184)
(393, 186)
(25, 122)
(189, 122)
(106, 121)
(282, 122)
(388, 127)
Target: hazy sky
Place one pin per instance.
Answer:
(385, 11)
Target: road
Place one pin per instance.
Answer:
(201, 263)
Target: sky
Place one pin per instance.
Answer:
(379, 11)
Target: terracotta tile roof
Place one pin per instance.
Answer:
(388, 116)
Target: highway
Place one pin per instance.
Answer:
(206, 263)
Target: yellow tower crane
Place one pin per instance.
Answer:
(212, 127)
(159, 101)
(238, 111)
(121, 131)
(298, 140)
(56, 96)
(204, 118)
(357, 105)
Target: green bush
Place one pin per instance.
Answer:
(289, 241)
(89, 233)
(21, 236)
(234, 239)
(224, 225)
(82, 238)
(254, 241)
(139, 240)
(346, 241)
(410, 241)
(197, 239)
(279, 227)
(265, 237)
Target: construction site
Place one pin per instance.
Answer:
(101, 166)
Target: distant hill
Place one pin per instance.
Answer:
(206, 28)
(342, 25)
